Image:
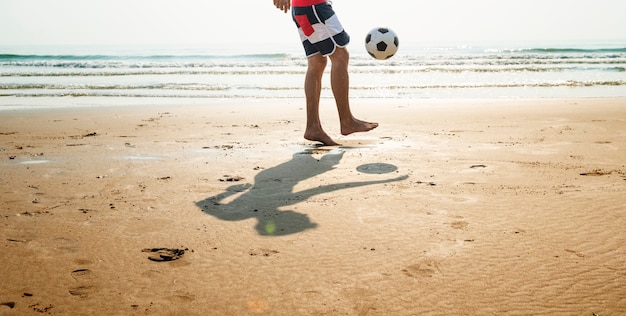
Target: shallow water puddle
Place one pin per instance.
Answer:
(141, 158)
(35, 162)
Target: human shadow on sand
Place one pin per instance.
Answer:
(273, 188)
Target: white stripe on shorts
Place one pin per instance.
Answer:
(330, 28)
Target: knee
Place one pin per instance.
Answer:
(341, 55)
(317, 63)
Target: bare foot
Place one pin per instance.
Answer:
(321, 137)
(356, 126)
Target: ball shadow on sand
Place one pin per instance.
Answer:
(273, 188)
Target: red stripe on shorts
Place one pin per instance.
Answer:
(304, 23)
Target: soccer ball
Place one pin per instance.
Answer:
(381, 43)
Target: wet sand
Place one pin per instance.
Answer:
(450, 207)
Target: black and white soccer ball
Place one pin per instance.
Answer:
(381, 43)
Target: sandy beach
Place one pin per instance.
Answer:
(450, 207)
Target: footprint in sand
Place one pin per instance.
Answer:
(478, 166)
(263, 252)
(459, 224)
(596, 173)
(164, 254)
(577, 253)
(427, 268)
(43, 309)
(85, 278)
(180, 297)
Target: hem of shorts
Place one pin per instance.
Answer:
(326, 55)
(316, 53)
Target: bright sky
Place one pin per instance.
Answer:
(211, 22)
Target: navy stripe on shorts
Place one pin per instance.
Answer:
(320, 29)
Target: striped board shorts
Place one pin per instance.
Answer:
(319, 28)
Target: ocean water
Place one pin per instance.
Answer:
(490, 71)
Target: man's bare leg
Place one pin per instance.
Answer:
(312, 91)
(340, 84)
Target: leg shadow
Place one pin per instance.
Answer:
(273, 189)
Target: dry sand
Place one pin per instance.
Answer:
(450, 207)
